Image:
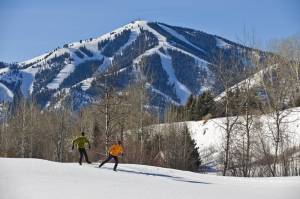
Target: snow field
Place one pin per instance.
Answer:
(41, 179)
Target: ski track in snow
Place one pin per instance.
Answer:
(41, 179)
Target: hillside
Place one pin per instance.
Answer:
(41, 179)
(209, 135)
(174, 62)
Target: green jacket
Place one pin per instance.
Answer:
(80, 142)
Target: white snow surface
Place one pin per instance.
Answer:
(86, 84)
(42, 179)
(63, 74)
(5, 93)
(28, 80)
(4, 70)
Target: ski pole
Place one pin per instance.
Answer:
(98, 153)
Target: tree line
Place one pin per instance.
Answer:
(28, 131)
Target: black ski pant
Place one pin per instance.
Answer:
(108, 159)
(82, 153)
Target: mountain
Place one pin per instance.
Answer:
(174, 62)
(36, 179)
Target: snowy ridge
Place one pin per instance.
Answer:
(35, 59)
(248, 83)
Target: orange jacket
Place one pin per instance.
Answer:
(115, 150)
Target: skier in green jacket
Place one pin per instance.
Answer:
(80, 142)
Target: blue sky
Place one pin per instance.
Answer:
(32, 27)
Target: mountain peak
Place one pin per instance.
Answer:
(139, 21)
(175, 61)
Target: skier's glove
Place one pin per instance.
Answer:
(89, 146)
(73, 147)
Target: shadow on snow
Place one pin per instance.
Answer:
(180, 179)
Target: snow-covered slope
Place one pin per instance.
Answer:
(41, 179)
(176, 62)
(209, 135)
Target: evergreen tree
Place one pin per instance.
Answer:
(205, 105)
(193, 157)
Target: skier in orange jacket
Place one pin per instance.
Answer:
(114, 151)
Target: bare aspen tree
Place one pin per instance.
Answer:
(61, 131)
(248, 110)
(249, 103)
(23, 128)
(4, 137)
(108, 111)
(227, 70)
